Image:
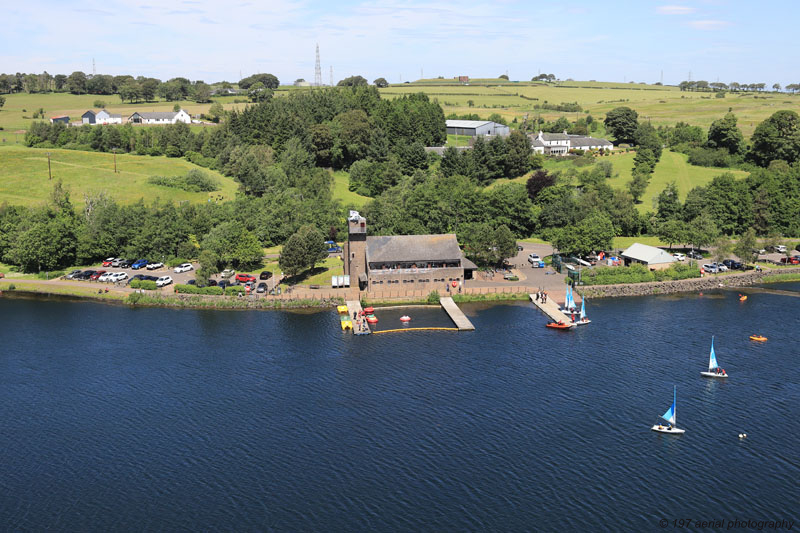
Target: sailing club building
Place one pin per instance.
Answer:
(411, 262)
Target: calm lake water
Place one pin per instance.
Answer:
(120, 419)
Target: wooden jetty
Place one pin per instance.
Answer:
(551, 309)
(460, 319)
(354, 309)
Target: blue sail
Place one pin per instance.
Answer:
(669, 416)
(712, 359)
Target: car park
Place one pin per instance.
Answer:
(265, 275)
(72, 274)
(139, 264)
(163, 281)
(679, 256)
(244, 278)
(107, 262)
(183, 267)
(154, 266)
(262, 288)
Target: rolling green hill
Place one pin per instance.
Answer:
(24, 177)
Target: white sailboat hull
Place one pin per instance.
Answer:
(665, 429)
(580, 322)
(713, 375)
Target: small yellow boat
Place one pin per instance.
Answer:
(342, 309)
(742, 297)
(758, 338)
(347, 324)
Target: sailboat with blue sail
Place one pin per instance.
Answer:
(714, 371)
(583, 319)
(670, 417)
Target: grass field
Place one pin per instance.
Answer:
(341, 191)
(24, 177)
(673, 166)
(658, 104)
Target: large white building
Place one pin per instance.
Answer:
(160, 117)
(101, 117)
(562, 143)
(650, 256)
(474, 128)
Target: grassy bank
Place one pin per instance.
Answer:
(781, 278)
(200, 302)
(79, 292)
(24, 176)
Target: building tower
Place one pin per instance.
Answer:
(355, 251)
(317, 71)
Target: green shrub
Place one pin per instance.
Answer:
(637, 273)
(200, 160)
(234, 290)
(194, 289)
(193, 181)
(50, 275)
(145, 284)
(433, 297)
(175, 261)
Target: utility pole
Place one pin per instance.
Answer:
(114, 150)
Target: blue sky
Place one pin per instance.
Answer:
(215, 40)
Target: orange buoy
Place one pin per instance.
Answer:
(405, 318)
(372, 320)
(368, 310)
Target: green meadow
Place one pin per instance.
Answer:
(661, 105)
(342, 192)
(24, 176)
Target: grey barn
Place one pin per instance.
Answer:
(474, 128)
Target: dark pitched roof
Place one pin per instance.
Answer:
(412, 248)
(581, 140)
(157, 115)
(90, 111)
(554, 137)
(537, 143)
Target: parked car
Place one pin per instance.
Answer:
(222, 284)
(86, 274)
(262, 287)
(72, 274)
(107, 262)
(732, 264)
(780, 248)
(720, 267)
(117, 276)
(679, 256)
(163, 281)
(183, 267)
(244, 278)
(139, 264)
(694, 255)
(125, 263)
(761, 251)
(265, 275)
(710, 267)
(115, 263)
(153, 266)
(149, 278)
(534, 258)
(790, 261)
(228, 272)
(519, 247)
(137, 276)
(96, 275)
(105, 277)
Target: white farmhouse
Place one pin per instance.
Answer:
(562, 143)
(101, 117)
(160, 117)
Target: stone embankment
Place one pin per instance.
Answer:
(709, 282)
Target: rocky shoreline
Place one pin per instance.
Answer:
(709, 282)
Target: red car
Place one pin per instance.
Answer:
(107, 262)
(244, 278)
(790, 260)
(96, 275)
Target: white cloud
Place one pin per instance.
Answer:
(708, 24)
(675, 10)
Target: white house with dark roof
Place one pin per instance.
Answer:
(475, 128)
(562, 143)
(160, 117)
(101, 117)
(650, 256)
